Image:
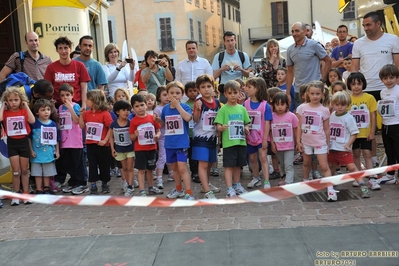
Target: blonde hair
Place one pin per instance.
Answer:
(124, 92)
(341, 97)
(151, 96)
(270, 43)
(98, 98)
(108, 48)
(19, 91)
(325, 100)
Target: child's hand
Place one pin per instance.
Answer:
(198, 105)
(299, 147)
(371, 136)
(33, 154)
(68, 104)
(246, 130)
(156, 138)
(57, 155)
(113, 153)
(222, 128)
(102, 143)
(173, 102)
(274, 148)
(347, 147)
(25, 105)
(82, 111)
(136, 133)
(241, 97)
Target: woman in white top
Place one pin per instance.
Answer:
(115, 70)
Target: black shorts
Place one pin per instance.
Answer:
(235, 156)
(362, 143)
(18, 147)
(145, 160)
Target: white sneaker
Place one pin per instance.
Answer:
(387, 180)
(170, 177)
(210, 195)
(27, 202)
(239, 189)
(129, 192)
(215, 189)
(231, 193)
(355, 184)
(124, 185)
(317, 175)
(266, 184)
(80, 190)
(135, 183)
(160, 184)
(373, 184)
(332, 195)
(14, 202)
(174, 194)
(255, 182)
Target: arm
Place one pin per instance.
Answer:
(299, 134)
(197, 111)
(289, 80)
(74, 116)
(355, 67)
(31, 117)
(326, 128)
(348, 145)
(111, 142)
(157, 135)
(5, 72)
(57, 150)
(32, 153)
(266, 134)
(83, 90)
(134, 136)
(371, 136)
(325, 67)
(105, 140)
(395, 61)
(81, 120)
(184, 114)
(3, 105)
(146, 76)
(217, 73)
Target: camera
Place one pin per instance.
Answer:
(129, 60)
(157, 62)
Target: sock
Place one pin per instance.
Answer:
(159, 177)
(189, 191)
(179, 187)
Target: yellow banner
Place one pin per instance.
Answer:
(342, 4)
(82, 4)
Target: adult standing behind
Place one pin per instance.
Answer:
(230, 64)
(115, 71)
(193, 66)
(171, 68)
(272, 61)
(343, 50)
(95, 69)
(33, 63)
(303, 61)
(66, 70)
(137, 76)
(156, 73)
(373, 51)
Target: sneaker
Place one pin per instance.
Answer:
(38, 192)
(1, 204)
(231, 193)
(154, 191)
(27, 202)
(135, 183)
(48, 192)
(215, 189)
(281, 183)
(68, 189)
(332, 195)
(170, 177)
(239, 189)
(209, 195)
(174, 194)
(338, 171)
(80, 190)
(373, 184)
(93, 190)
(105, 189)
(274, 175)
(196, 178)
(112, 172)
(56, 187)
(266, 184)
(215, 172)
(118, 173)
(160, 184)
(365, 192)
(189, 197)
(124, 185)
(143, 194)
(355, 184)
(129, 192)
(256, 182)
(317, 175)
(387, 179)
(14, 202)
(299, 159)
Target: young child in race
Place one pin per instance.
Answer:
(281, 77)
(343, 132)
(336, 86)
(204, 141)
(284, 136)
(162, 99)
(314, 132)
(44, 146)
(143, 92)
(333, 75)
(96, 122)
(121, 145)
(71, 142)
(363, 107)
(151, 102)
(16, 117)
(175, 117)
(191, 91)
(232, 121)
(347, 65)
(260, 114)
(145, 132)
(388, 108)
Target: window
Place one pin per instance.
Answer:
(207, 34)
(280, 18)
(191, 29)
(224, 9)
(197, 4)
(211, 4)
(218, 6)
(166, 42)
(111, 37)
(229, 11)
(200, 33)
(233, 11)
(238, 16)
(349, 11)
(204, 4)
(214, 36)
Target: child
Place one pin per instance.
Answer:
(96, 121)
(260, 114)
(44, 146)
(284, 135)
(143, 92)
(336, 86)
(17, 116)
(71, 142)
(388, 107)
(233, 121)
(343, 131)
(191, 91)
(162, 99)
(347, 65)
(121, 145)
(204, 147)
(363, 107)
(281, 77)
(144, 131)
(333, 75)
(151, 103)
(314, 133)
(175, 117)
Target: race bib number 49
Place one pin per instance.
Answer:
(94, 131)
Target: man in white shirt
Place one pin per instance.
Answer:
(193, 66)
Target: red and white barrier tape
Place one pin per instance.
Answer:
(262, 195)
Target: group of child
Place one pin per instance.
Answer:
(255, 122)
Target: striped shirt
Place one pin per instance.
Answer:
(33, 68)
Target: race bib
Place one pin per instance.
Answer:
(93, 131)
(173, 125)
(208, 121)
(191, 124)
(49, 135)
(122, 137)
(337, 132)
(150, 112)
(16, 126)
(65, 121)
(256, 120)
(236, 130)
(311, 121)
(146, 134)
(386, 108)
(362, 118)
(282, 132)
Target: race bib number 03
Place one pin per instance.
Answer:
(48, 136)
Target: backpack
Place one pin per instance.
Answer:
(240, 54)
(18, 79)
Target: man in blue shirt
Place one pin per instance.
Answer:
(343, 50)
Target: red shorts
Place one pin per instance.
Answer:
(340, 157)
